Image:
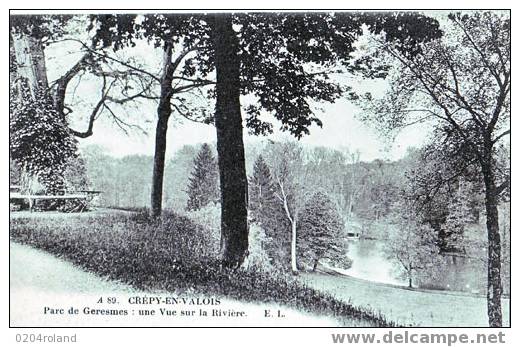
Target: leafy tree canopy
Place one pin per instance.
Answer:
(44, 27)
(286, 58)
(321, 232)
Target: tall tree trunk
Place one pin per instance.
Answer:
(30, 67)
(294, 265)
(230, 146)
(494, 290)
(12, 61)
(292, 220)
(158, 162)
(164, 111)
(30, 59)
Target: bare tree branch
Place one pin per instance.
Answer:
(507, 132)
(93, 115)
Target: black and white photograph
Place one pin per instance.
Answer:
(254, 168)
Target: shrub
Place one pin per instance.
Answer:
(258, 257)
(209, 217)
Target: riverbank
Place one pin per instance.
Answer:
(340, 273)
(408, 307)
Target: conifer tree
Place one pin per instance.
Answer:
(203, 183)
(266, 211)
(321, 233)
(261, 193)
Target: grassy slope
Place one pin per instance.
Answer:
(171, 256)
(407, 306)
(38, 279)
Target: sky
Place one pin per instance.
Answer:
(340, 128)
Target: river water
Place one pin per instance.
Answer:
(370, 263)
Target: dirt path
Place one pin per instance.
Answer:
(418, 308)
(38, 280)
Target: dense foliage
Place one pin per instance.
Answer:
(203, 186)
(40, 141)
(267, 212)
(321, 233)
(414, 246)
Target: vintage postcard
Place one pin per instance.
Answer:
(260, 169)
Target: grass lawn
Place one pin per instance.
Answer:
(408, 307)
(172, 255)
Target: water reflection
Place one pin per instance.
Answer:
(456, 273)
(369, 263)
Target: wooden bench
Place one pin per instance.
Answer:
(85, 195)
